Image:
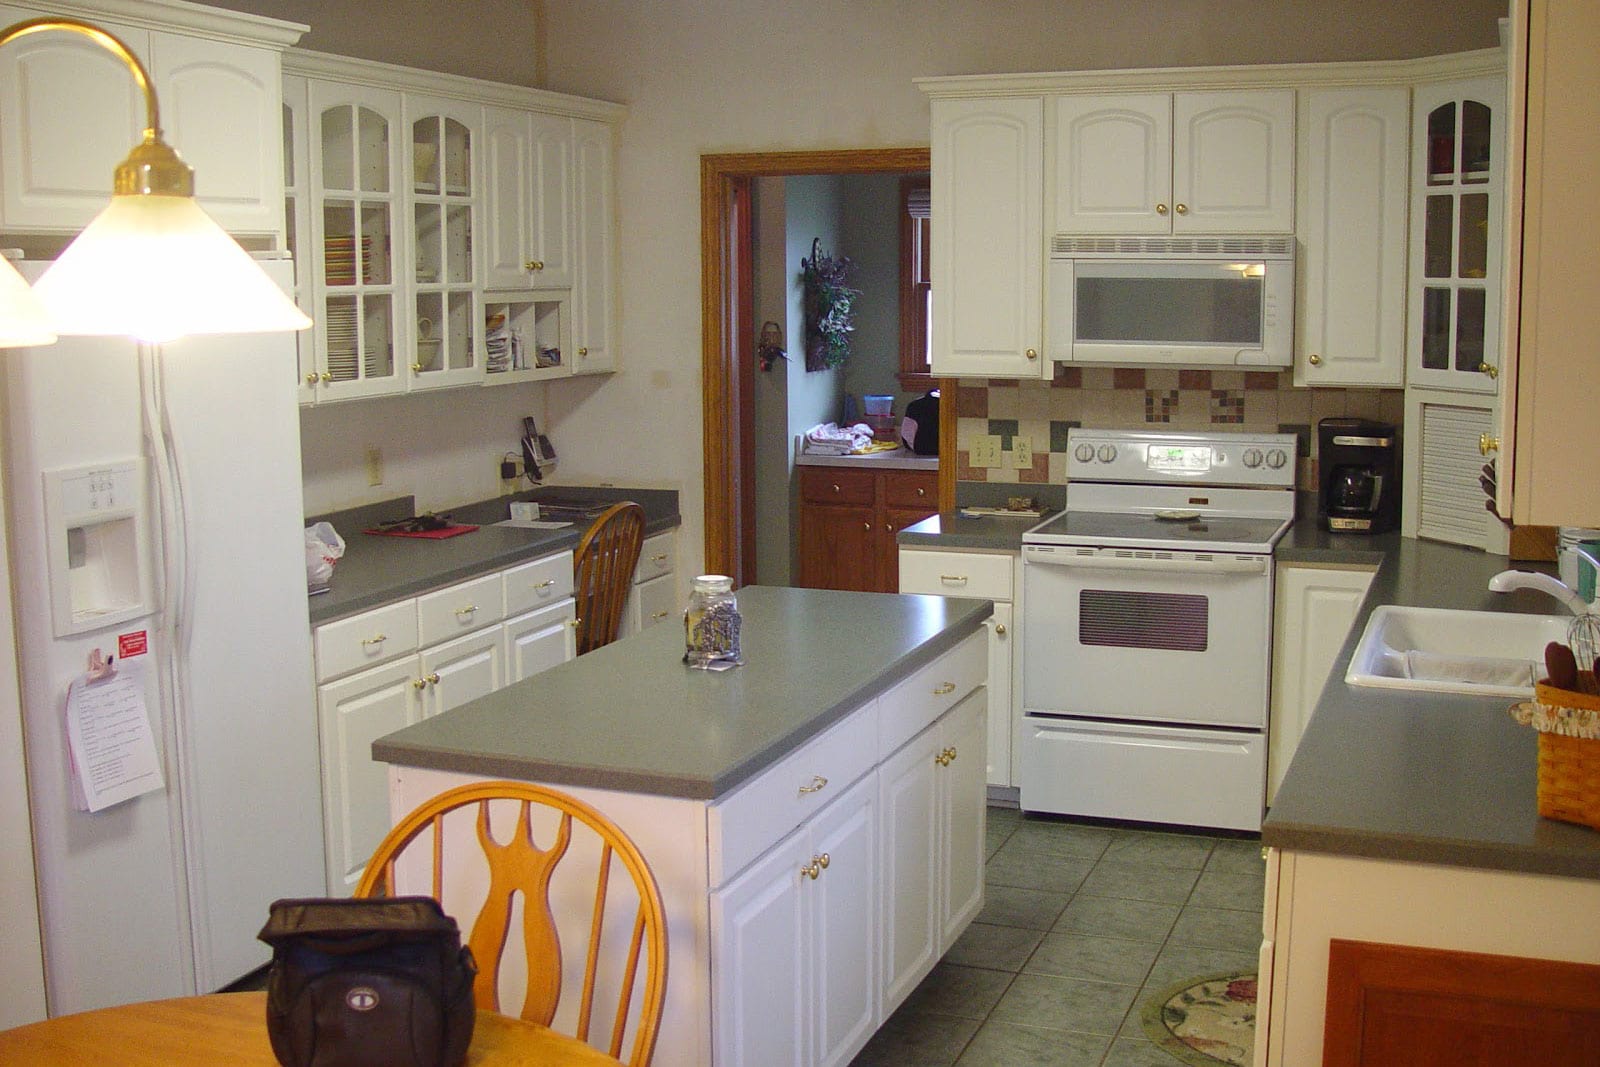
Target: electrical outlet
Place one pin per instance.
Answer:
(985, 450)
(374, 466)
(1022, 453)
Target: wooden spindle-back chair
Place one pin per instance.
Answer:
(519, 866)
(603, 573)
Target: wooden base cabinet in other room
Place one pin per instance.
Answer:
(849, 519)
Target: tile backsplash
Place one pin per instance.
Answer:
(1040, 413)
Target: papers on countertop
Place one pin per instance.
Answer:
(109, 739)
(533, 524)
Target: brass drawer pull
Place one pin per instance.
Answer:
(948, 687)
(376, 639)
(470, 609)
(817, 782)
(546, 584)
(953, 579)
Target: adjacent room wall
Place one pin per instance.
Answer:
(773, 75)
(872, 241)
(774, 454)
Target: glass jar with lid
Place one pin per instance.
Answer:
(711, 623)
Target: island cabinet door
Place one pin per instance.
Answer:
(841, 897)
(963, 799)
(758, 960)
(909, 852)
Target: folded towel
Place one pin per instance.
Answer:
(1477, 670)
(831, 439)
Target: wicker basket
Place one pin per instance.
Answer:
(1569, 767)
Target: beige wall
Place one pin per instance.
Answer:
(703, 77)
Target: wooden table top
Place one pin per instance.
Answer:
(231, 1028)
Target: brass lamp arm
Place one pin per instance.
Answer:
(153, 167)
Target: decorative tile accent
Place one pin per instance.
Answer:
(1039, 472)
(1127, 377)
(1005, 429)
(1160, 405)
(1058, 433)
(1067, 377)
(972, 402)
(1194, 379)
(1261, 379)
(1227, 407)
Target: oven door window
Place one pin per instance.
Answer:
(1115, 618)
(1169, 303)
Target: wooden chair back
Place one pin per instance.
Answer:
(519, 867)
(603, 573)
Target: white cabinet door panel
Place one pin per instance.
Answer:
(540, 640)
(909, 855)
(758, 955)
(1233, 161)
(1112, 160)
(962, 812)
(843, 905)
(461, 670)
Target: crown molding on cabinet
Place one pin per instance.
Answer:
(212, 22)
(1257, 76)
(409, 79)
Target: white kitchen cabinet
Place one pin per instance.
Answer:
(414, 659)
(1313, 608)
(988, 576)
(1449, 435)
(70, 112)
(594, 228)
(987, 244)
(654, 597)
(1457, 176)
(1173, 163)
(446, 309)
(1352, 317)
(795, 934)
(932, 810)
(528, 199)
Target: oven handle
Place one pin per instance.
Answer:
(1187, 565)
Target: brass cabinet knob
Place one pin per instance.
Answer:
(1161, 209)
(922, 492)
(419, 683)
(583, 351)
(433, 679)
(811, 870)
(327, 376)
(1488, 442)
(1032, 353)
(1182, 209)
(533, 264)
(312, 379)
(823, 860)
(416, 368)
(888, 527)
(953, 752)
(836, 488)
(1314, 359)
(1490, 369)
(1000, 629)
(866, 526)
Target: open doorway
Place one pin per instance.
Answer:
(729, 336)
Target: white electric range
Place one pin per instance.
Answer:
(1147, 607)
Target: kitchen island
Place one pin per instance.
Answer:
(855, 728)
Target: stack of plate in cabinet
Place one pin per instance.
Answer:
(340, 323)
(339, 259)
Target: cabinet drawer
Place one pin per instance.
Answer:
(973, 574)
(366, 640)
(544, 581)
(909, 707)
(655, 558)
(757, 814)
(835, 485)
(460, 609)
(911, 489)
(657, 601)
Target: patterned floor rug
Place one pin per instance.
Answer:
(1205, 1021)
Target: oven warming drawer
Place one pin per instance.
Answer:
(1185, 775)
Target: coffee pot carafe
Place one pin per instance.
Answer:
(1359, 461)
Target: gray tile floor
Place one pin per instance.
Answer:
(1080, 922)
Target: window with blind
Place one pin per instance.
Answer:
(916, 289)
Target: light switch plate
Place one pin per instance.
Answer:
(985, 450)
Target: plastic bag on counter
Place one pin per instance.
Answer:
(324, 547)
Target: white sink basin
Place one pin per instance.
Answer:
(1483, 653)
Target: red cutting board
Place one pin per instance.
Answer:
(430, 535)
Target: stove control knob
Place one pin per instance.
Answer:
(1277, 458)
(1107, 453)
(1252, 458)
(1084, 453)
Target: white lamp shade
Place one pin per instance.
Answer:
(157, 268)
(22, 316)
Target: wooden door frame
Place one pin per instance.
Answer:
(725, 348)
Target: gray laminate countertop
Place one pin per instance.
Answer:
(381, 570)
(899, 459)
(1422, 777)
(630, 716)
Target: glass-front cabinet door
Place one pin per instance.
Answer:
(1458, 165)
(446, 322)
(355, 133)
(297, 227)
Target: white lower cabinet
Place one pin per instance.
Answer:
(654, 597)
(466, 652)
(1312, 611)
(931, 801)
(793, 935)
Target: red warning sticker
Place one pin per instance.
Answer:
(134, 644)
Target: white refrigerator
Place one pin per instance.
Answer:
(162, 895)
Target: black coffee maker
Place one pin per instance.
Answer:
(1359, 461)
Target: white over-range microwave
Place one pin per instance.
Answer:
(1225, 301)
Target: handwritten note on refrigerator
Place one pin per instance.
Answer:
(108, 733)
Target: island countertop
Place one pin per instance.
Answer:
(630, 716)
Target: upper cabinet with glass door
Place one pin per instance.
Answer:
(447, 317)
(356, 198)
(1458, 168)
